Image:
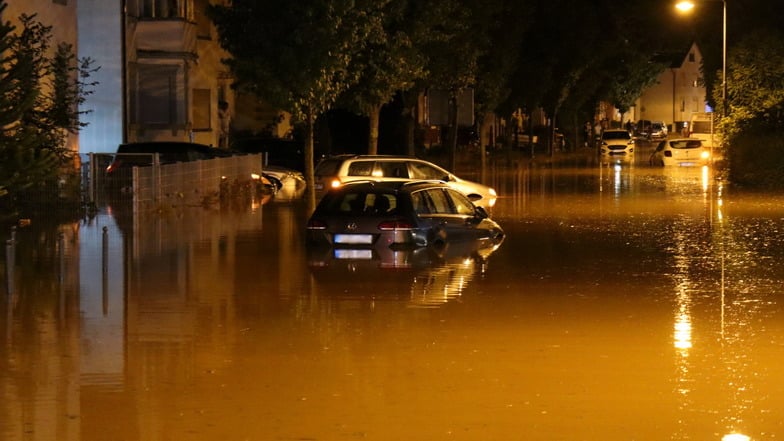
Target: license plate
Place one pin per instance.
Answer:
(353, 254)
(354, 239)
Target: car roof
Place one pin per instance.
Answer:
(161, 146)
(392, 157)
(394, 186)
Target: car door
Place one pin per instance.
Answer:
(451, 215)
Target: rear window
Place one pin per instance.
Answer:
(359, 203)
(691, 144)
(328, 167)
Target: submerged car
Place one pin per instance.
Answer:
(398, 215)
(286, 183)
(681, 152)
(337, 170)
(616, 143)
(658, 130)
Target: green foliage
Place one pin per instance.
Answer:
(295, 55)
(755, 86)
(753, 128)
(39, 93)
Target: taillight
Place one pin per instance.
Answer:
(113, 166)
(315, 224)
(395, 225)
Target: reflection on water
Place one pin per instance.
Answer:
(631, 303)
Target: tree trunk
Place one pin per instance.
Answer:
(310, 175)
(452, 130)
(373, 117)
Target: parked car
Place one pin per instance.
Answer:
(616, 143)
(141, 154)
(658, 130)
(398, 215)
(643, 128)
(286, 183)
(337, 170)
(681, 151)
(702, 126)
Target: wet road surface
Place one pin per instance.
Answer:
(627, 302)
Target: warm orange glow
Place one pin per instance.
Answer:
(684, 6)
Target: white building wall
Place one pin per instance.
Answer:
(100, 38)
(677, 93)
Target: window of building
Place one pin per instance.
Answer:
(691, 57)
(159, 96)
(201, 109)
(162, 8)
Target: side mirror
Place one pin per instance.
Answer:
(481, 213)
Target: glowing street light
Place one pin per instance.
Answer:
(687, 6)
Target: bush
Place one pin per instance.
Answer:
(756, 160)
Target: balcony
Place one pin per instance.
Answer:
(177, 36)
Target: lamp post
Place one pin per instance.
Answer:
(686, 6)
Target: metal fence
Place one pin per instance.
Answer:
(178, 184)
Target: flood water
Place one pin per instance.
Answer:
(626, 303)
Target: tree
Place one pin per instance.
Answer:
(296, 55)
(39, 93)
(390, 62)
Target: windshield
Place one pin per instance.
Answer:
(701, 127)
(690, 144)
(621, 134)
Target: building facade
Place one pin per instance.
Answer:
(677, 93)
(161, 77)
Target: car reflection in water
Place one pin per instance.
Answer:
(420, 277)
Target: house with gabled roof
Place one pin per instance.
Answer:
(678, 91)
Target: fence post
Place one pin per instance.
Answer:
(10, 261)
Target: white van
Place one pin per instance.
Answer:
(703, 127)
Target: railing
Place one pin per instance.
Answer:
(171, 185)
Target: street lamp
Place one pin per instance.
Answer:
(687, 6)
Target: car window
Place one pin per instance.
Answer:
(690, 144)
(440, 201)
(360, 204)
(461, 203)
(361, 168)
(621, 134)
(328, 167)
(421, 170)
(421, 202)
(393, 169)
